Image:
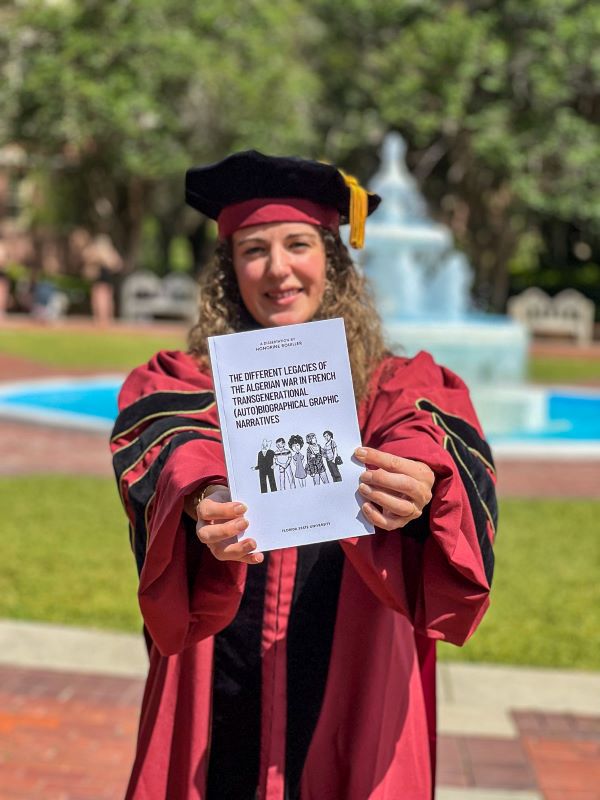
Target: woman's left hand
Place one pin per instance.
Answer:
(397, 489)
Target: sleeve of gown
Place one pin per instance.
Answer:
(437, 570)
(166, 444)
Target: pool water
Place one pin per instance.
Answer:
(99, 401)
(579, 416)
(566, 417)
(83, 403)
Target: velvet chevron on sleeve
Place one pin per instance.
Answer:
(166, 443)
(473, 458)
(444, 562)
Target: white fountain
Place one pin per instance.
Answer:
(422, 285)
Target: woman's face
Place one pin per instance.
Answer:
(280, 270)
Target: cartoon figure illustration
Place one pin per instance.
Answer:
(331, 456)
(264, 465)
(283, 459)
(314, 460)
(296, 443)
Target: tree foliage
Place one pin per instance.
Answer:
(115, 100)
(500, 104)
(498, 100)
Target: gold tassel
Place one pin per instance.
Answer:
(359, 208)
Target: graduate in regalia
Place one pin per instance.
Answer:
(306, 673)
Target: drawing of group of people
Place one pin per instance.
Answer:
(292, 467)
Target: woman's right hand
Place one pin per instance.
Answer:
(219, 521)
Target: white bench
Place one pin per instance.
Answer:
(569, 313)
(145, 296)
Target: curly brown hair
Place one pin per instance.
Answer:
(347, 295)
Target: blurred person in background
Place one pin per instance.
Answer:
(4, 280)
(101, 264)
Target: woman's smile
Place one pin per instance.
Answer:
(283, 296)
(280, 271)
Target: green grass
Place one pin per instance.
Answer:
(65, 553)
(546, 593)
(123, 350)
(91, 349)
(547, 369)
(66, 558)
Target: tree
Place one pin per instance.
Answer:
(499, 102)
(113, 101)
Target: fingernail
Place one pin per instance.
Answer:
(360, 452)
(241, 524)
(364, 488)
(366, 476)
(250, 545)
(258, 558)
(240, 508)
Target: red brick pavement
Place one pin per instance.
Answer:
(557, 755)
(484, 763)
(32, 449)
(67, 736)
(13, 368)
(556, 479)
(564, 751)
(560, 349)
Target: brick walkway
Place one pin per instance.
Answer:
(65, 736)
(71, 736)
(17, 369)
(557, 755)
(30, 449)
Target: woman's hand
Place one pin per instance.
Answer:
(219, 521)
(397, 489)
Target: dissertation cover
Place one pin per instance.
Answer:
(289, 425)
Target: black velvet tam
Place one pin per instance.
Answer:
(250, 175)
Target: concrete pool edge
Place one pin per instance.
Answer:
(569, 450)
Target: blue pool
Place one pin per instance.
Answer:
(569, 415)
(93, 401)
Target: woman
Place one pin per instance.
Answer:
(296, 443)
(307, 672)
(331, 456)
(283, 459)
(315, 464)
(101, 265)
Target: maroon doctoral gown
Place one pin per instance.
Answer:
(311, 675)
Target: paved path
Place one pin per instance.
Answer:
(69, 702)
(30, 449)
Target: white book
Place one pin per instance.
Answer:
(288, 420)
